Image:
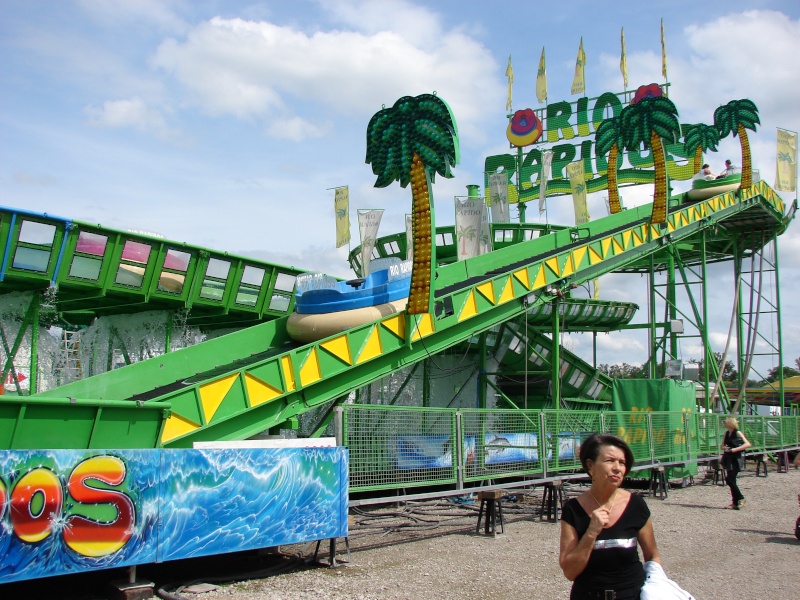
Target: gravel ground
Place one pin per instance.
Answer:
(709, 551)
(431, 550)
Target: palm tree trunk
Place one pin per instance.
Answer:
(698, 159)
(659, 214)
(613, 192)
(747, 163)
(423, 265)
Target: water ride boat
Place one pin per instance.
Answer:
(703, 189)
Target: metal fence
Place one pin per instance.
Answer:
(406, 447)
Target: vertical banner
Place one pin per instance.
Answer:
(663, 52)
(579, 82)
(486, 230)
(510, 75)
(541, 80)
(368, 222)
(409, 238)
(547, 162)
(341, 206)
(498, 195)
(469, 215)
(623, 60)
(786, 162)
(577, 184)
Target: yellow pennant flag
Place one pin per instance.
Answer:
(341, 204)
(510, 75)
(623, 61)
(541, 80)
(786, 165)
(579, 82)
(663, 52)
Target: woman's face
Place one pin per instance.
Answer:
(609, 467)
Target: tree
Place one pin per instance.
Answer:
(608, 139)
(645, 121)
(622, 371)
(735, 118)
(774, 373)
(410, 143)
(729, 373)
(699, 139)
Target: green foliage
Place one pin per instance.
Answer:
(701, 136)
(608, 134)
(727, 118)
(623, 371)
(422, 125)
(639, 120)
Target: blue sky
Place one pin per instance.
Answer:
(223, 123)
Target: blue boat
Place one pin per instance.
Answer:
(389, 280)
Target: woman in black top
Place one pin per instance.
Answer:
(600, 528)
(733, 444)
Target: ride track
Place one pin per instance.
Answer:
(243, 383)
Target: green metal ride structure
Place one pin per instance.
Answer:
(217, 363)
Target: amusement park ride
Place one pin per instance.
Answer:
(96, 460)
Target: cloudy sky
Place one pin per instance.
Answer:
(224, 124)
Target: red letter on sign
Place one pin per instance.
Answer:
(35, 503)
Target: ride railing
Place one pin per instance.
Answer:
(406, 447)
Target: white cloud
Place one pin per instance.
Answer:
(297, 129)
(258, 69)
(132, 113)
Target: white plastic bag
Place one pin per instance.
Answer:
(657, 586)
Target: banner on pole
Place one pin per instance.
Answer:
(579, 81)
(469, 215)
(547, 162)
(786, 162)
(341, 206)
(623, 60)
(577, 184)
(369, 220)
(409, 238)
(541, 80)
(498, 195)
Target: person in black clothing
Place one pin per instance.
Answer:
(733, 446)
(601, 527)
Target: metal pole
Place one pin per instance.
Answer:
(555, 371)
(458, 442)
(338, 425)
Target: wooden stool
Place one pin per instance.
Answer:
(491, 503)
(658, 483)
(719, 472)
(552, 500)
(761, 463)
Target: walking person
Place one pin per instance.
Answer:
(601, 527)
(734, 443)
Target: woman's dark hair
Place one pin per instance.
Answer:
(590, 449)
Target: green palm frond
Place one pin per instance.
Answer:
(649, 114)
(743, 112)
(608, 133)
(423, 125)
(701, 136)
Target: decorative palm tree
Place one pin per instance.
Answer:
(649, 118)
(700, 138)
(464, 234)
(410, 143)
(608, 139)
(734, 118)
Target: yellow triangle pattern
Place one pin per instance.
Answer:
(176, 426)
(212, 394)
(540, 280)
(637, 238)
(569, 267)
(340, 348)
(397, 325)
(626, 238)
(259, 391)
(671, 224)
(594, 257)
(372, 346)
(310, 371)
(507, 293)
(655, 233)
(288, 373)
(423, 327)
(470, 308)
(522, 277)
(606, 244)
(577, 256)
(487, 290)
(552, 264)
(617, 246)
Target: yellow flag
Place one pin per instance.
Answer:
(579, 83)
(623, 61)
(510, 75)
(541, 80)
(663, 52)
(786, 165)
(341, 204)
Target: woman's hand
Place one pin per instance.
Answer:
(599, 520)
